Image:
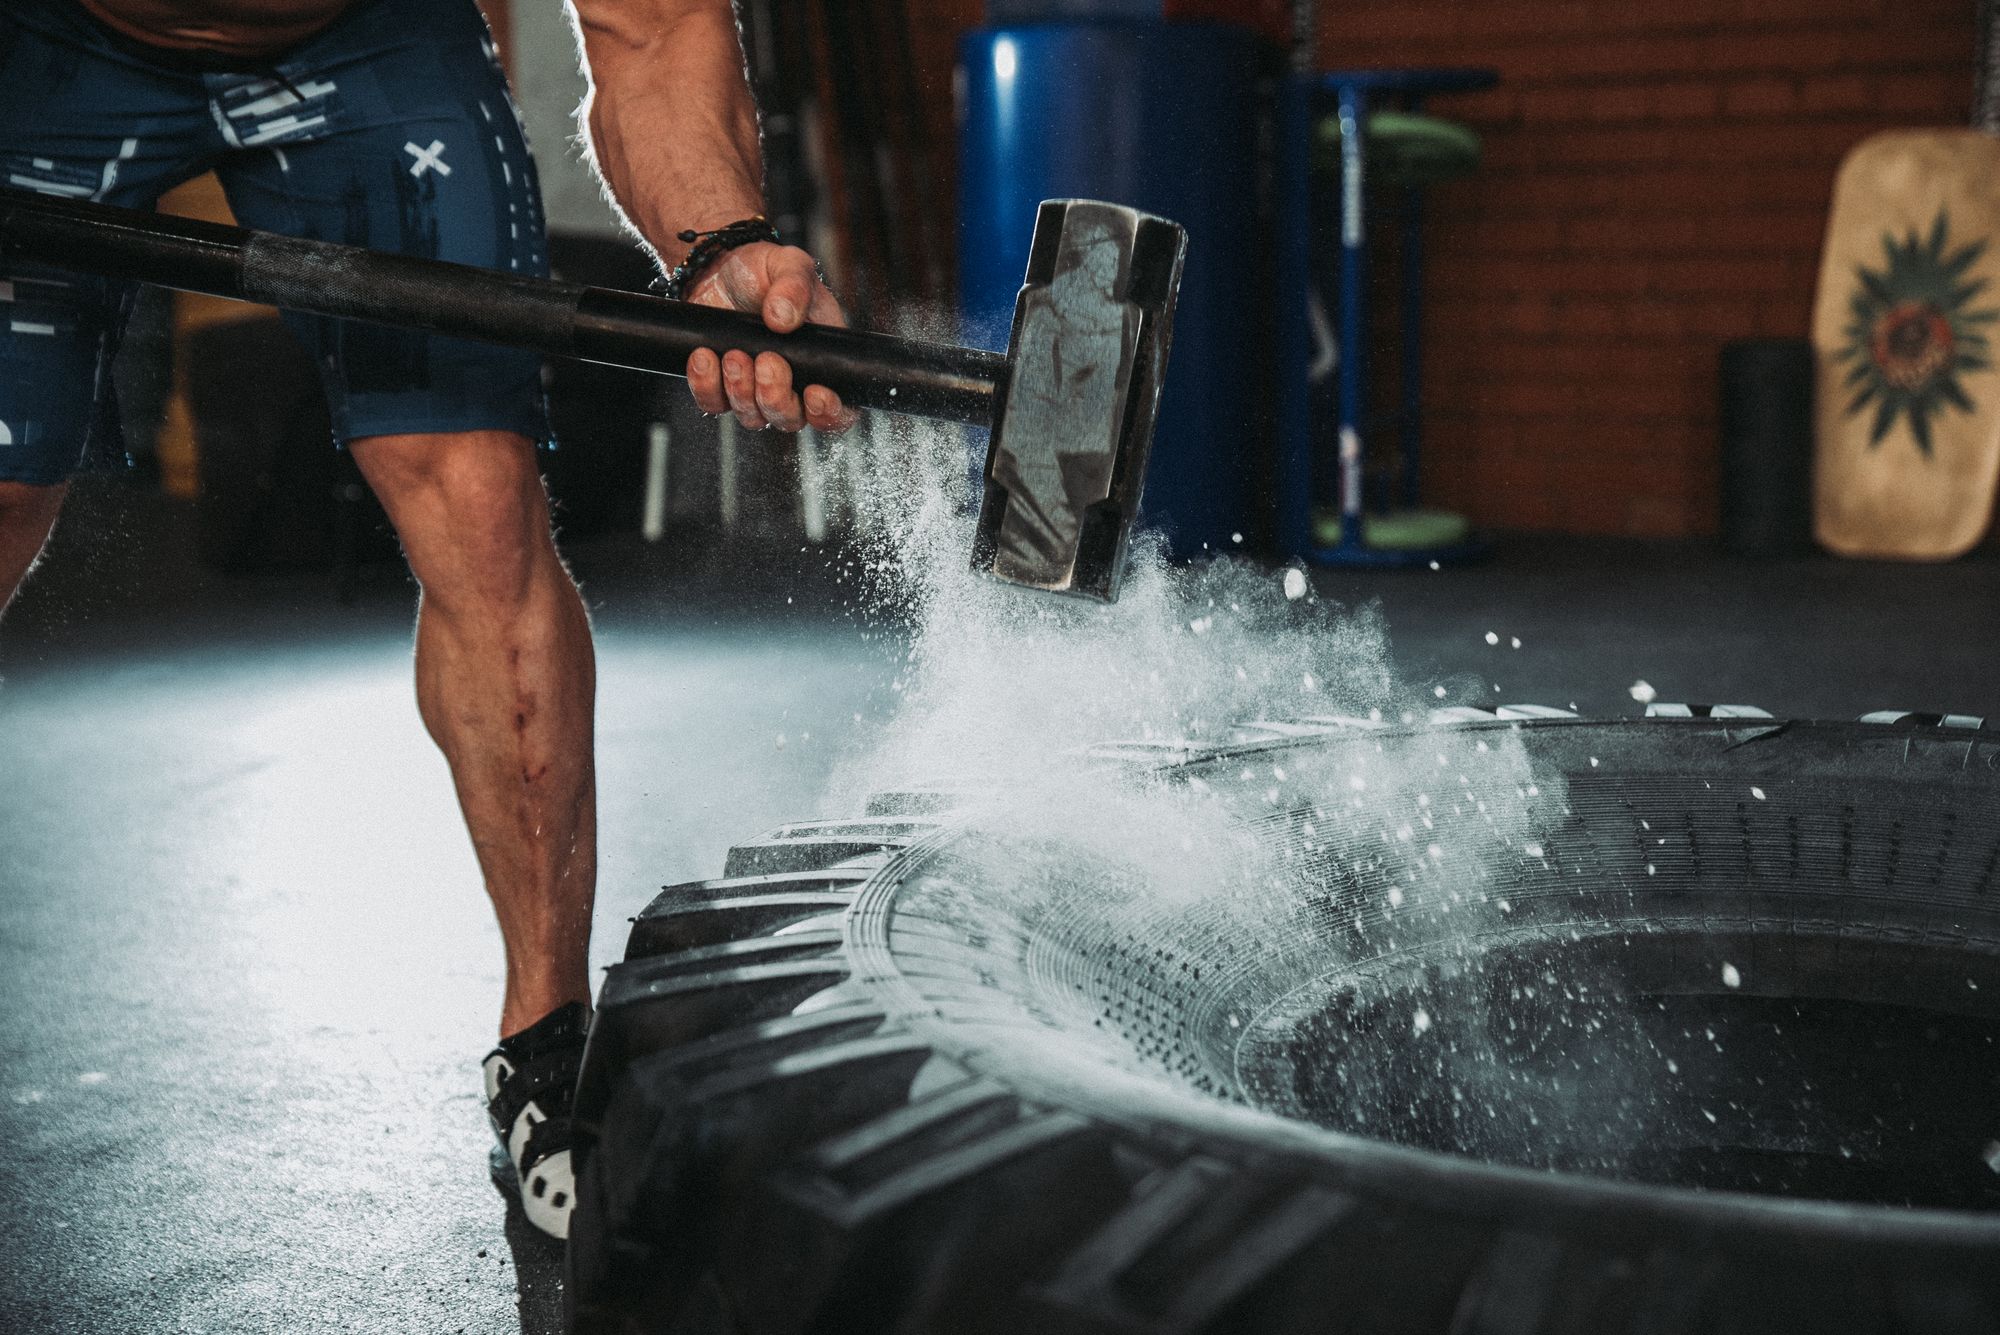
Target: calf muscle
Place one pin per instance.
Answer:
(506, 686)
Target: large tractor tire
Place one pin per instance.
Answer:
(1694, 1029)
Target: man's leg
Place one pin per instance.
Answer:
(79, 119)
(27, 513)
(393, 129)
(505, 683)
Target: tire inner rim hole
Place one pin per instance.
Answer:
(1625, 1056)
(1649, 968)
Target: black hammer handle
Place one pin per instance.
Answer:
(592, 324)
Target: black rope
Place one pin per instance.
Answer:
(711, 246)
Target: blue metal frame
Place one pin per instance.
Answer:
(1299, 103)
(1410, 422)
(1294, 279)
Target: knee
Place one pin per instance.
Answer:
(470, 510)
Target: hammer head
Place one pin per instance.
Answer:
(1073, 423)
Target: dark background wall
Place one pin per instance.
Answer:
(1655, 184)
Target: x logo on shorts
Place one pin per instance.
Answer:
(428, 158)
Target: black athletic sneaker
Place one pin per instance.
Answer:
(530, 1085)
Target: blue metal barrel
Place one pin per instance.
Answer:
(1163, 117)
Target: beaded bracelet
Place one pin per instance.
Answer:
(707, 247)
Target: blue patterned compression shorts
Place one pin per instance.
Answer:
(392, 129)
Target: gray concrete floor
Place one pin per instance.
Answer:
(246, 968)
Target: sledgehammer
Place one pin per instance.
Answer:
(1070, 406)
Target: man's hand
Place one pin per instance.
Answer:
(782, 284)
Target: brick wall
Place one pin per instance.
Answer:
(1655, 183)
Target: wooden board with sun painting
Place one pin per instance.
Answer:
(1903, 331)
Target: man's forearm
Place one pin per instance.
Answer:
(670, 119)
(673, 130)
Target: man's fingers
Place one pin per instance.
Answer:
(825, 309)
(774, 393)
(825, 412)
(788, 298)
(738, 385)
(705, 382)
(782, 283)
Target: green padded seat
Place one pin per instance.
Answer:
(1406, 148)
(1397, 530)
